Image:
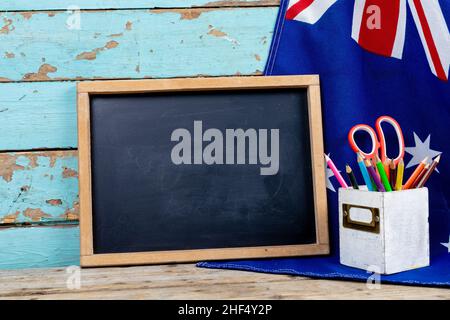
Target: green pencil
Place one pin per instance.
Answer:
(383, 175)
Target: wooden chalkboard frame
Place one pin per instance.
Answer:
(309, 82)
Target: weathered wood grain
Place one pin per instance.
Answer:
(38, 187)
(32, 46)
(189, 282)
(26, 5)
(38, 115)
(38, 247)
(39, 46)
(47, 247)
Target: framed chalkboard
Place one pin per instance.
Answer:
(179, 170)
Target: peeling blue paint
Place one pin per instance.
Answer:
(146, 44)
(33, 186)
(39, 115)
(9, 5)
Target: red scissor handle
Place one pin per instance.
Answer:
(399, 133)
(373, 136)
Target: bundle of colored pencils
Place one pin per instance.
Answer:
(385, 177)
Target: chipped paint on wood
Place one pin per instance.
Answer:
(11, 218)
(54, 202)
(72, 213)
(7, 27)
(220, 34)
(91, 55)
(42, 73)
(242, 3)
(35, 214)
(8, 165)
(14, 5)
(26, 15)
(215, 32)
(115, 35)
(38, 186)
(186, 14)
(39, 247)
(51, 107)
(43, 186)
(69, 173)
(221, 41)
(190, 14)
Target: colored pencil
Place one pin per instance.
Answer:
(392, 173)
(386, 164)
(414, 175)
(336, 172)
(429, 172)
(374, 176)
(383, 176)
(374, 165)
(420, 176)
(365, 174)
(351, 176)
(399, 178)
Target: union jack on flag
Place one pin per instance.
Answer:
(379, 27)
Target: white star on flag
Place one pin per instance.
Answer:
(447, 244)
(328, 174)
(421, 151)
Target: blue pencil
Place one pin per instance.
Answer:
(365, 174)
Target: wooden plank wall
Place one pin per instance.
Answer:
(43, 54)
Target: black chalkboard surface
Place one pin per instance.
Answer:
(158, 183)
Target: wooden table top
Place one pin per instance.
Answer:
(185, 281)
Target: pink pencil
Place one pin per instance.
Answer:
(336, 172)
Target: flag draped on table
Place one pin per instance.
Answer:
(374, 57)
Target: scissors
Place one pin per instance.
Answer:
(378, 139)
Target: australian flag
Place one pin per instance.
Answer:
(374, 57)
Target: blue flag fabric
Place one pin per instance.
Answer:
(358, 86)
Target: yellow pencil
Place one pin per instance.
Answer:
(399, 179)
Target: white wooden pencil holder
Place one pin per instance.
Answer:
(384, 232)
